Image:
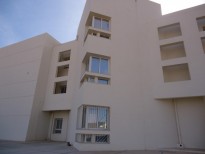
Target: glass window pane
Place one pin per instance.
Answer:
(103, 81)
(105, 25)
(97, 23)
(102, 117)
(104, 66)
(95, 65)
(92, 117)
(58, 122)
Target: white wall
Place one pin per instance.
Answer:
(19, 67)
(19, 64)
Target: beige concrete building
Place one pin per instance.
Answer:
(132, 80)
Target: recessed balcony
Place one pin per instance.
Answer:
(172, 51)
(169, 31)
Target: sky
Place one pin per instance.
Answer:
(23, 19)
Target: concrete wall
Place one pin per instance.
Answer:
(137, 77)
(39, 121)
(148, 110)
(195, 57)
(20, 64)
(60, 101)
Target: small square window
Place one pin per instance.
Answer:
(99, 65)
(62, 70)
(101, 23)
(64, 56)
(60, 87)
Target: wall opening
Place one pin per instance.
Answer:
(174, 73)
(64, 56)
(172, 51)
(201, 23)
(62, 70)
(60, 87)
(203, 43)
(169, 31)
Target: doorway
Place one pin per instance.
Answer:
(58, 126)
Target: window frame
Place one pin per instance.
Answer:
(101, 23)
(55, 125)
(90, 63)
(84, 113)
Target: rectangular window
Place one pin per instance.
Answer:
(103, 81)
(102, 138)
(64, 56)
(97, 22)
(57, 127)
(60, 87)
(201, 23)
(105, 25)
(93, 138)
(62, 70)
(203, 43)
(101, 23)
(99, 65)
(94, 117)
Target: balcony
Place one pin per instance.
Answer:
(175, 73)
(169, 31)
(172, 51)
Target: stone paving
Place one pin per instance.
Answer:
(7, 147)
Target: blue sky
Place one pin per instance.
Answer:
(22, 19)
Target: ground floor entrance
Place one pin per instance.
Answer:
(58, 126)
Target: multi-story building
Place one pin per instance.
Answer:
(133, 79)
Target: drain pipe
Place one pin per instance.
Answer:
(180, 145)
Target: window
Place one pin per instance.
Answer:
(93, 138)
(173, 73)
(99, 65)
(62, 70)
(101, 23)
(103, 81)
(64, 56)
(60, 87)
(96, 69)
(57, 127)
(201, 23)
(93, 117)
(203, 43)
(98, 25)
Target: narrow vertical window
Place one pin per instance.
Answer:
(97, 22)
(94, 117)
(95, 65)
(105, 25)
(104, 66)
(57, 128)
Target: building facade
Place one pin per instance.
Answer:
(132, 80)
